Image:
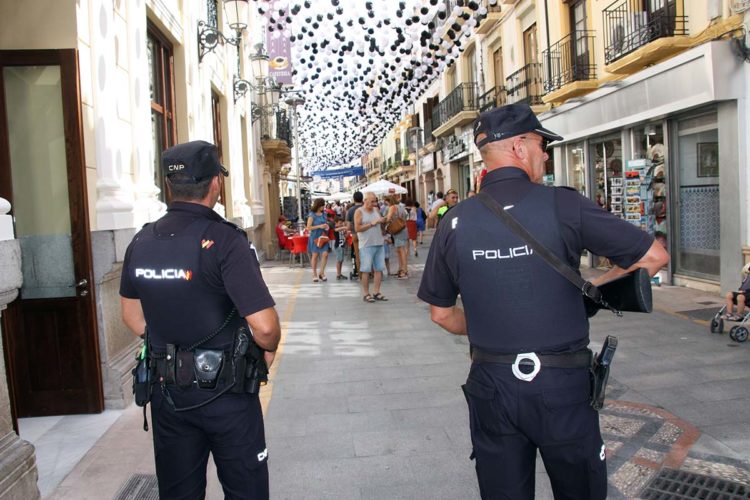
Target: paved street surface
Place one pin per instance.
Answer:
(365, 399)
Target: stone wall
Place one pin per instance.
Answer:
(18, 472)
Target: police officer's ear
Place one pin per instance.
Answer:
(519, 147)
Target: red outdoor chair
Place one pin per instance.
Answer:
(285, 243)
(299, 247)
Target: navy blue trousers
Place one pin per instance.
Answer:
(230, 428)
(511, 419)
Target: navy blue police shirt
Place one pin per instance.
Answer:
(513, 300)
(189, 269)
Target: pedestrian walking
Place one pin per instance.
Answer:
(357, 199)
(400, 239)
(367, 221)
(421, 219)
(317, 243)
(192, 281)
(411, 225)
(528, 388)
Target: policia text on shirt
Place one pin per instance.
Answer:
(528, 388)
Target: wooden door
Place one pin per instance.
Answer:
(50, 334)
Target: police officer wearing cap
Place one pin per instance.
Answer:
(192, 279)
(528, 387)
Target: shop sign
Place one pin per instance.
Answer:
(455, 148)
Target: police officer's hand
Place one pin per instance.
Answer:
(269, 357)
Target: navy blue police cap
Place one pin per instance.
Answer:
(195, 161)
(508, 121)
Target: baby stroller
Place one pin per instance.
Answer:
(738, 332)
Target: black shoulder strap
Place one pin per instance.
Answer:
(586, 287)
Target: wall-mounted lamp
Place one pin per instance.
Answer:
(240, 87)
(209, 36)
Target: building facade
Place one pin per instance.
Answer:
(650, 98)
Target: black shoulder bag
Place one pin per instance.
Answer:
(631, 292)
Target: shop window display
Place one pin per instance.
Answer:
(576, 167)
(608, 181)
(649, 151)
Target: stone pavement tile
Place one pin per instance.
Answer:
(286, 425)
(307, 406)
(406, 371)
(306, 375)
(400, 442)
(735, 436)
(417, 384)
(657, 380)
(729, 371)
(720, 390)
(315, 389)
(726, 471)
(433, 417)
(734, 411)
(308, 477)
(458, 433)
(444, 489)
(439, 465)
(403, 400)
(309, 447)
(668, 397)
(350, 422)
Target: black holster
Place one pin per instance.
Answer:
(599, 371)
(142, 379)
(250, 370)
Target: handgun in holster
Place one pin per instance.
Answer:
(250, 365)
(600, 371)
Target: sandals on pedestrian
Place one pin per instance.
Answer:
(368, 298)
(379, 296)
(322, 277)
(341, 277)
(315, 280)
(402, 275)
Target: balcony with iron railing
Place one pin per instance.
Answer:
(458, 108)
(525, 85)
(492, 18)
(648, 35)
(569, 67)
(493, 98)
(275, 126)
(275, 133)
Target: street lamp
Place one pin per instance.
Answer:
(293, 99)
(209, 35)
(416, 138)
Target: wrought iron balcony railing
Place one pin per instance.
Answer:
(462, 98)
(493, 98)
(569, 60)
(525, 85)
(274, 124)
(627, 26)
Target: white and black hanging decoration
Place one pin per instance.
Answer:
(360, 64)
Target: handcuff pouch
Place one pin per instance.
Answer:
(207, 365)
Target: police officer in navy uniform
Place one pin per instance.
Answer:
(189, 276)
(528, 387)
